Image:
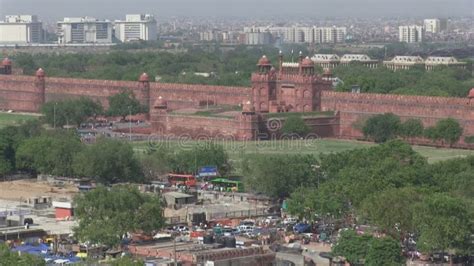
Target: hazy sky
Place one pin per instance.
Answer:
(114, 9)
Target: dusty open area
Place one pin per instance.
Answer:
(23, 189)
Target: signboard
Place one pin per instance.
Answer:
(208, 171)
(14, 213)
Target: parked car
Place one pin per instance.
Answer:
(246, 228)
(302, 228)
(229, 231)
(290, 220)
(181, 228)
(272, 220)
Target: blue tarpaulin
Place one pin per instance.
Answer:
(42, 250)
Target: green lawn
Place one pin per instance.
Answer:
(239, 150)
(11, 119)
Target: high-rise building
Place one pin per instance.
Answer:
(258, 38)
(136, 27)
(432, 25)
(411, 34)
(315, 34)
(84, 30)
(21, 29)
(329, 34)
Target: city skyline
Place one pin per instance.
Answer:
(56, 9)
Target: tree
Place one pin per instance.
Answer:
(8, 257)
(71, 111)
(156, 162)
(382, 127)
(280, 175)
(444, 223)
(312, 202)
(295, 125)
(123, 104)
(411, 128)
(6, 164)
(105, 215)
(203, 154)
(392, 210)
(449, 130)
(368, 250)
(51, 153)
(384, 251)
(110, 161)
(10, 138)
(352, 246)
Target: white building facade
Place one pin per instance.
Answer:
(432, 25)
(84, 30)
(411, 34)
(136, 27)
(21, 29)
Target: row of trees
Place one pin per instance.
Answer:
(162, 159)
(77, 111)
(394, 188)
(389, 186)
(383, 127)
(442, 81)
(59, 152)
(234, 68)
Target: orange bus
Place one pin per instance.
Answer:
(182, 180)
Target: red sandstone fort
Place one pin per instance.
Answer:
(293, 87)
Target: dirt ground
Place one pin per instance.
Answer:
(23, 189)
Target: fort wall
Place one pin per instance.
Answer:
(354, 108)
(19, 93)
(28, 93)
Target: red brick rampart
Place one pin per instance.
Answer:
(19, 93)
(27, 93)
(182, 95)
(355, 107)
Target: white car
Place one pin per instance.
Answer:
(181, 229)
(246, 228)
(272, 220)
(290, 220)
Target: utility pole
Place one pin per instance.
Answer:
(130, 122)
(54, 115)
(174, 251)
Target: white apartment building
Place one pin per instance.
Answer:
(411, 34)
(293, 35)
(84, 30)
(258, 38)
(21, 29)
(315, 34)
(330, 34)
(136, 27)
(432, 25)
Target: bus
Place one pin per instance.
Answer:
(182, 180)
(227, 185)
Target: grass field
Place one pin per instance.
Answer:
(11, 119)
(238, 150)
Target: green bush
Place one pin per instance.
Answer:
(382, 127)
(469, 139)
